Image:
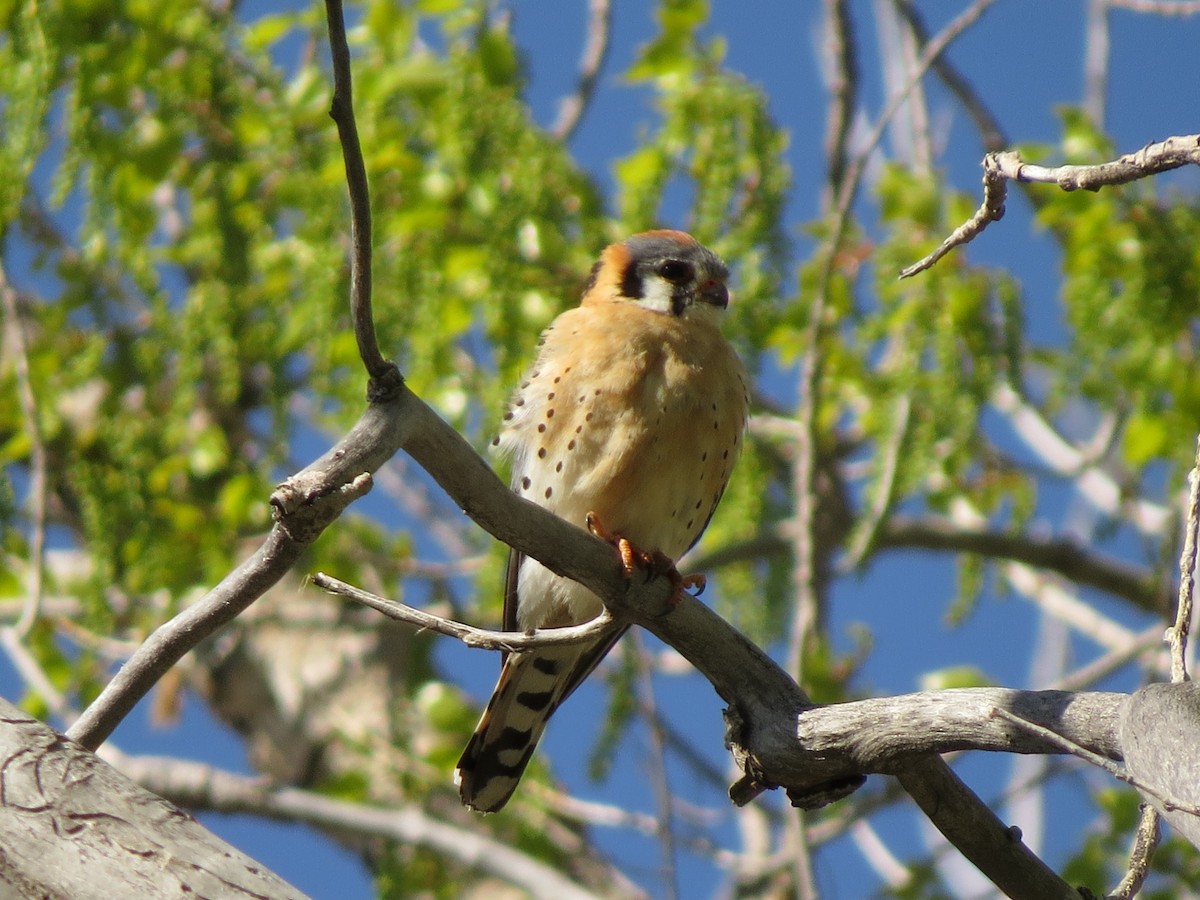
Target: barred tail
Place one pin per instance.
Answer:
(530, 688)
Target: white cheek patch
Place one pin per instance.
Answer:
(656, 295)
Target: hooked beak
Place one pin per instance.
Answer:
(713, 292)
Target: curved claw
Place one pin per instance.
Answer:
(652, 562)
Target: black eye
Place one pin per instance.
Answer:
(675, 271)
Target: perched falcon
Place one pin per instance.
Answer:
(630, 420)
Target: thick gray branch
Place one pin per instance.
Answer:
(71, 826)
(1160, 731)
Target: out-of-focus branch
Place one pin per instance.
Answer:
(991, 133)
(220, 606)
(15, 343)
(841, 58)
(1000, 168)
(595, 49)
(1134, 583)
(1095, 61)
(203, 787)
(1182, 625)
(1159, 7)
(657, 762)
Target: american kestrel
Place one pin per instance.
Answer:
(630, 420)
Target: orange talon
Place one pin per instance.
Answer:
(653, 563)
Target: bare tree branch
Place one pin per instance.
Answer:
(991, 133)
(203, 787)
(1179, 8)
(1145, 841)
(73, 826)
(841, 61)
(508, 641)
(341, 110)
(595, 49)
(220, 606)
(1000, 168)
(16, 344)
(1089, 477)
(1095, 61)
(996, 850)
(1069, 746)
(1182, 626)
(1136, 584)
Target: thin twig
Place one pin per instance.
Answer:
(1148, 833)
(1095, 759)
(842, 59)
(595, 49)
(508, 641)
(1095, 61)
(1145, 841)
(38, 475)
(991, 133)
(341, 110)
(1182, 626)
(1000, 168)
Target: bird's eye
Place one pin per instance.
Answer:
(675, 271)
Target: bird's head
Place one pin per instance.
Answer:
(667, 272)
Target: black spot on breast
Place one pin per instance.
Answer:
(525, 482)
(690, 523)
(558, 468)
(541, 428)
(704, 456)
(545, 665)
(550, 396)
(496, 441)
(697, 506)
(549, 491)
(550, 413)
(571, 444)
(541, 452)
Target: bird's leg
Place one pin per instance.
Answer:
(653, 562)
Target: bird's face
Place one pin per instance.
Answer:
(667, 272)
